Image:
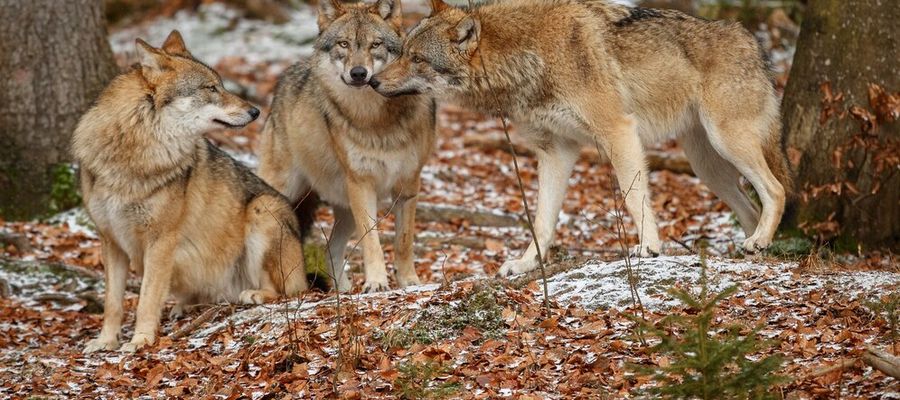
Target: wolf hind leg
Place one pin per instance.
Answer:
(274, 252)
(405, 226)
(741, 142)
(344, 226)
(721, 176)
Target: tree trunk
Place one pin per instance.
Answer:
(840, 114)
(54, 60)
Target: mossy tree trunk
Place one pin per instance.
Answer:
(54, 60)
(842, 132)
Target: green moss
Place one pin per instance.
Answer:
(420, 381)
(63, 188)
(315, 260)
(790, 247)
(480, 310)
(845, 243)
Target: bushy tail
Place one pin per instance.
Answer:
(776, 159)
(778, 164)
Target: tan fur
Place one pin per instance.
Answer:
(183, 214)
(353, 147)
(573, 73)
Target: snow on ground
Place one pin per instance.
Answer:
(217, 31)
(599, 284)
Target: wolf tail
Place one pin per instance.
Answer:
(778, 164)
(776, 158)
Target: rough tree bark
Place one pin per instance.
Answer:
(842, 133)
(54, 60)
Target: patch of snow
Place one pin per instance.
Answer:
(599, 284)
(217, 31)
(77, 220)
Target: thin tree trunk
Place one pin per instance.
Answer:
(848, 171)
(54, 60)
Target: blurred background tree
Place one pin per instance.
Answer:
(55, 60)
(840, 108)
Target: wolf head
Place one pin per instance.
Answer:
(188, 95)
(358, 40)
(435, 56)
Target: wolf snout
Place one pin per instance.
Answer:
(254, 113)
(358, 73)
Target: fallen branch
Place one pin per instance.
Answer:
(883, 361)
(201, 319)
(19, 241)
(556, 268)
(656, 160)
(436, 213)
(838, 366)
(132, 285)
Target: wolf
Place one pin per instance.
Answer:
(588, 72)
(167, 203)
(330, 134)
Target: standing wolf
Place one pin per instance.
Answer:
(589, 72)
(171, 205)
(329, 132)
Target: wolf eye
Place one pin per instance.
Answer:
(416, 59)
(212, 88)
(376, 45)
(343, 43)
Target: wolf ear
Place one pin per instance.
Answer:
(150, 58)
(174, 45)
(438, 6)
(329, 10)
(390, 11)
(468, 33)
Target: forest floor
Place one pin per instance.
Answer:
(462, 334)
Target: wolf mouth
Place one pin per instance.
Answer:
(228, 125)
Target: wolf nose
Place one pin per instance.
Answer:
(358, 73)
(374, 83)
(254, 112)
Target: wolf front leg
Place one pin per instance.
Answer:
(555, 164)
(405, 224)
(115, 263)
(364, 206)
(158, 269)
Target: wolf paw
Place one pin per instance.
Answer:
(406, 281)
(373, 286)
(755, 244)
(176, 312)
(251, 296)
(100, 344)
(136, 343)
(645, 251)
(519, 266)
